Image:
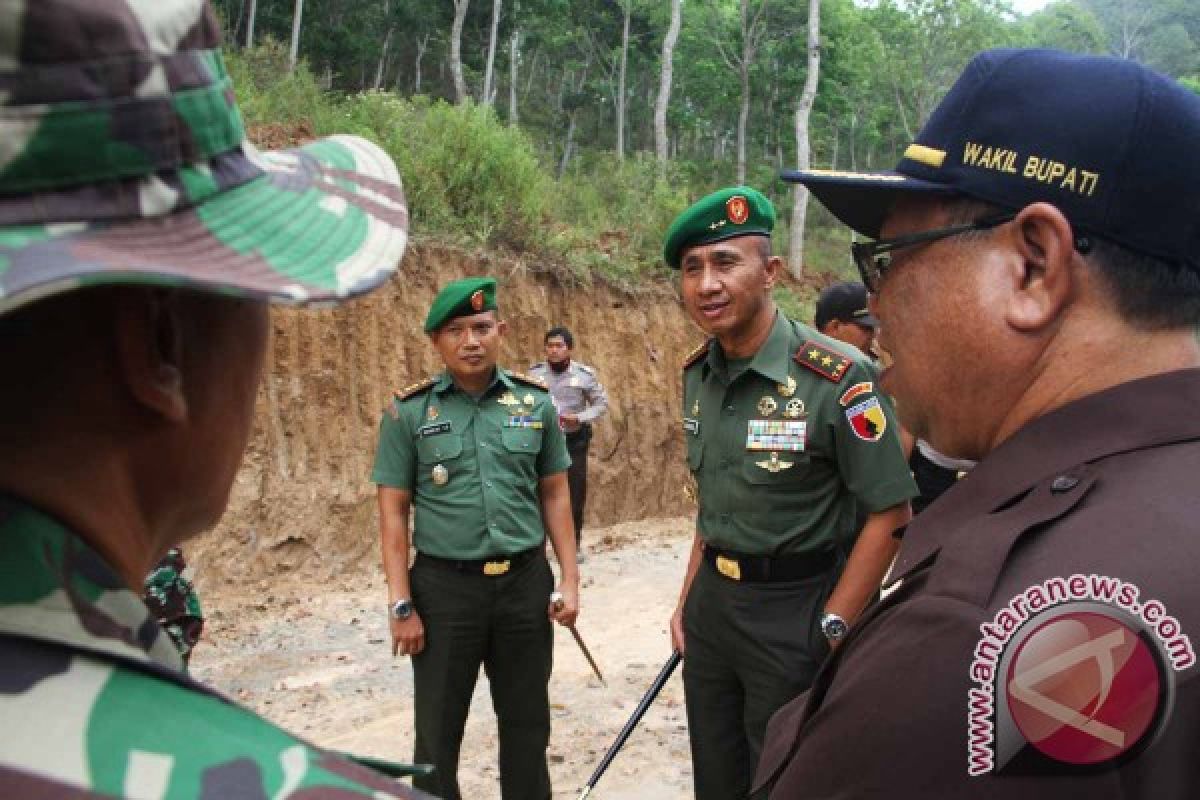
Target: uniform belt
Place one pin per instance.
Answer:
(492, 566)
(767, 569)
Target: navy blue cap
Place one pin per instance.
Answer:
(845, 301)
(1112, 144)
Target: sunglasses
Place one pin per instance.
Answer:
(873, 259)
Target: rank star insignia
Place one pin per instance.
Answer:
(788, 388)
(718, 224)
(794, 408)
(507, 399)
(775, 464)
(432, 413)
(827, 361)
(767, 406)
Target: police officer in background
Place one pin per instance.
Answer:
(1040, 306)
(786, 438)
(580, 399)
(842, 313)
(478, 453)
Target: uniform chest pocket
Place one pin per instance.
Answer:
(522, 440)
(439, 447)
(770, 468)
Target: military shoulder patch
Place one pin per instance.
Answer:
(697, 354)
(586, 369)
(521, 377)
(829, 364)
(414, 389)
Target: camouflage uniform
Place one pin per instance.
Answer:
(171, 597)
(84, 668)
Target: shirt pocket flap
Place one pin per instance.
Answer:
(522, 440)
(440, 447)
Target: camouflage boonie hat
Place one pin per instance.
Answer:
(123, 159)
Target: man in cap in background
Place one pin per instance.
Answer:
(1037, 277)
(580, 399)
(140, 240)
(842, 314)
(478, 453)
(786, 438)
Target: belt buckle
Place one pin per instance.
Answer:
(494, 568)
(730, 568)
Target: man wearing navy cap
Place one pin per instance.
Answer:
(1036, 270)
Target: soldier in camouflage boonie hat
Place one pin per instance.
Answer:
(123, 158)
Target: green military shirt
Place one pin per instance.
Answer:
(93, 697)
(473, 466)
(782, 450)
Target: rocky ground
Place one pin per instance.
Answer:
(316, 659)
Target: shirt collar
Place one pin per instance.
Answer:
(771, 359)
(1150, 412)
(55, 587)
(445, 382)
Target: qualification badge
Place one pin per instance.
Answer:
(507, 399)
(440, 475)
(432, 413)
(767, 406)
(787, 389)
(774, 464)
(794, 408)
(696, 409)
(527, 400)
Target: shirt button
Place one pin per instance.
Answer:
(729, 409)
(1064, 483)
(724, 463)
(489, 484)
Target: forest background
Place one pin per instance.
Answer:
(572, 131)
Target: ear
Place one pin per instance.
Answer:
(1042, 267)
(773, 266)
(501, 327)
(149, 345)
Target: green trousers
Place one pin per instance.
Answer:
(750, 648)
(500, 623)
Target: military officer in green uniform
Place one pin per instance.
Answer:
(785, 433)
(479, 454)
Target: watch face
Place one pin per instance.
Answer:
(402, 610)
(834, 627)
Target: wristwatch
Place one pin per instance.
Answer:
(834, 627)
(403, 609)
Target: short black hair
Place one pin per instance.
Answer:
(1150, 293)
(559, 330)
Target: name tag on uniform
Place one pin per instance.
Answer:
(776, 434)
(431, 430)
(691, 426)
(524, 421)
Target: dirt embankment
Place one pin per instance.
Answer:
(303, 502)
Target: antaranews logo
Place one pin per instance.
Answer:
(1079, 669)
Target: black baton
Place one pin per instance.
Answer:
(663, 675)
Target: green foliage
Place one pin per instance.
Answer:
(268, 93)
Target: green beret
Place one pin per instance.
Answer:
(459, 299)
(724, 214)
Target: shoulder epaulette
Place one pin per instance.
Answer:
(521, 377)
(829, 364)
(697, 354)
(538, 365)
(585, 368)
(414, 389)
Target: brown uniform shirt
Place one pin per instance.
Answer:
(1042, 614)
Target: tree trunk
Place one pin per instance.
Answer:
(489, 72)
(250, 22)
(566, 156)
(743, 118)
(294, 52)
(627, 8)
(803, 111)
(514, 43)
(387, 43)
(456, 67)
(422, 46)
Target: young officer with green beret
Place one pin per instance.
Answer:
(478, 452)
(785, 432)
